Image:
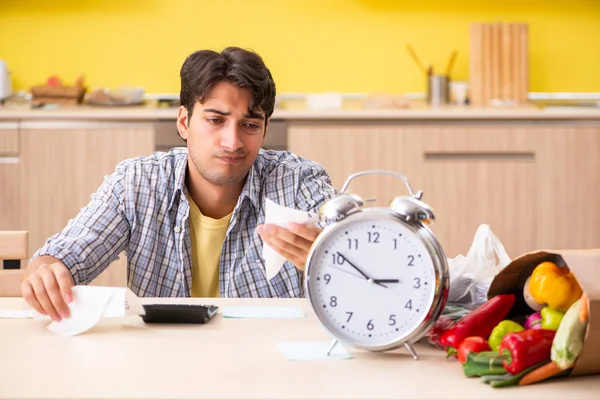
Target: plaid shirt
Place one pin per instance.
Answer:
(142, 209)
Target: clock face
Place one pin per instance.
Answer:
(371, 281)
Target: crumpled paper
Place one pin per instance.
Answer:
(280, 215)
(472, 275)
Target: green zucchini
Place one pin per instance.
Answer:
(568, 341)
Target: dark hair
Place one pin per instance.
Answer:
(246, 69)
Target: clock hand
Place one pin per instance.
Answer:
(351, 273)
(358, 269)
(353, 266)
(386, 280)
(344, 271)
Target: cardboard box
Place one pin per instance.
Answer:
(585, 266)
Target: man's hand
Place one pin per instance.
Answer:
(47, 288)
(292, 243)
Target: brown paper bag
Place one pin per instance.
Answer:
(585, 266)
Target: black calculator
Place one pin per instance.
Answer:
(178, 313)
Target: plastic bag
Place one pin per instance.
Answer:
(472, 275)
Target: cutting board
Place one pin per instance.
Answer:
(499, 63)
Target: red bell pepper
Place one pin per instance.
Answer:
(479, 322)
(442, 324)
(526, 348)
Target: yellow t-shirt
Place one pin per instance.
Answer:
(207, 235)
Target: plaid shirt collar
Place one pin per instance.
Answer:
(251, 188)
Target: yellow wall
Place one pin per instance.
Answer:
(310, 45)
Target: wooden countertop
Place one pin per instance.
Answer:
(415, 112)
(230, 358)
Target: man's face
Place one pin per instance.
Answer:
(223, 139)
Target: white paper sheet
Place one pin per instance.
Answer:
(279, 215)
(90, 303)
(22, 314)
(262, 312)
(311, 351)
(16, 314)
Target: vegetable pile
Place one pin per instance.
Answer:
(503, 352)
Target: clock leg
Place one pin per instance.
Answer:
(333, 344)
(412, 351)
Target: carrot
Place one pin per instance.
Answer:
(584, 308)
(542, 373)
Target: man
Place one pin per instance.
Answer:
(191, 219)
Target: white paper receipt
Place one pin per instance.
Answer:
(90, 303)
(279, 215)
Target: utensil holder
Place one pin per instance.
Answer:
(438, 89)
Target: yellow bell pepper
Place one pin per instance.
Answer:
(554, 286)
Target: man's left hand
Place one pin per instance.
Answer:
(292, 243)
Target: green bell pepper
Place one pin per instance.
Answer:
(504, 327)
(551, 318)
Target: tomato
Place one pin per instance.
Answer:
(473, 344)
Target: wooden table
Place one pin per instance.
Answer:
(229, 358)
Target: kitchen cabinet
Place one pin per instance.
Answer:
(167, 137)
(63, 163)
(9, 175)
(568, 182)
(533, 184)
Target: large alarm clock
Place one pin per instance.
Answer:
(377, 277)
